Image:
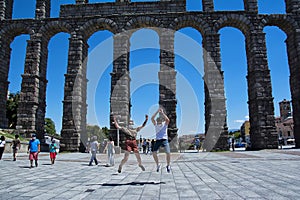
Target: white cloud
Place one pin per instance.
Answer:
(239, 121)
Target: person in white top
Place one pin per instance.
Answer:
(94, 149)
(2, 146)
(161, 137)
(110, 152)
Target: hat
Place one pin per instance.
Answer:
(33, 135)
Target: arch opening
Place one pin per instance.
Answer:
(57, 61)
(23, 9)
(99, 67)
(280, 79)
(232, 5)
(190, 71)
(144, 65)
(234, 65)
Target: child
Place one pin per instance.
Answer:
(52, 150)
(110, 152)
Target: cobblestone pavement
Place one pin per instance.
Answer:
(267, 174)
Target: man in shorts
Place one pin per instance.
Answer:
(130, 143)
(161, 137)
(16, 145)
(34, 149)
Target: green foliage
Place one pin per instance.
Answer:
(97, 131)
(50, 127)
(11, 109)
(235, 134)
(105, 131)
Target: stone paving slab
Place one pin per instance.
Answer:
(267, 174)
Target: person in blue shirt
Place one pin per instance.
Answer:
(34, 150)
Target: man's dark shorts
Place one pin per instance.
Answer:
(162, 143)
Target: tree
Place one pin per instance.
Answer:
(94, 130)
(105, 131)
(50, 127)
(11, 109)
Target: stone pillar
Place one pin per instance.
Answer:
(6, 8)
(293, 48)
(120, 84)
(42, 9)
(41, 110)
(30, 89)
(261, 109)
(292, 6)
(251, 6)
(208, 5)
(5, 52)
(216, 131)
(74, 103)
(167, 84)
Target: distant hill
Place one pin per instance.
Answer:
(233, 130)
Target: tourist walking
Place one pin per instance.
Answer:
(110, 152)
(161, 137)
(130, 143)
(94, 148)
(34, 149)
(2, 146)
(52, 150)
(16, 145)
(232, 143)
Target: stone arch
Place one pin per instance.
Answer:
(240, 22)
(54, 27)
(191, 21)
(285, 23)
(91, 26)
(143, 22)
(13, 30)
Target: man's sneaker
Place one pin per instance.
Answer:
(119, 169)
(142, 167)
(158, 167)
(168, 168)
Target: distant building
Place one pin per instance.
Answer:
(245, 131)
(285, 123)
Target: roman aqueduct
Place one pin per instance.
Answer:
(81, 19)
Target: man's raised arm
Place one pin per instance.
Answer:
(144, 123)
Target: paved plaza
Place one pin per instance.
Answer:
(267, 174)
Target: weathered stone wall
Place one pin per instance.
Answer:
(122, 18)
(121, 8)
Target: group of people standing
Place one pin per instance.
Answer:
(147, 146)
(161, 126)
(33, 150)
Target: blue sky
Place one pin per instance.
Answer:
(144, 59)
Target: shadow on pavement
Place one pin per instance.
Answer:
(132, 183)
(25, 167)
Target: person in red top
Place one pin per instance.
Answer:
(130, 143)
